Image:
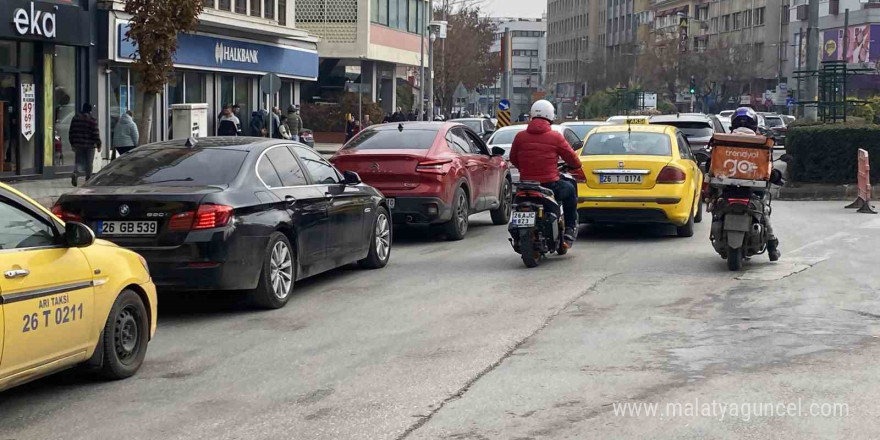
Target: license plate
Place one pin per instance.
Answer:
(620, 178)
(127, 228)
(523, 219)
(391, 203)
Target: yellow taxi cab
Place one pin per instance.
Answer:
(67, 299)
(640, 174)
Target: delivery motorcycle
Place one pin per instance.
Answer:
(738, 194)
(536, 222)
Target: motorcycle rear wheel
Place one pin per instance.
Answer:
(735, 258)
(527, 247)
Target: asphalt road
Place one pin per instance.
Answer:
(459, 340)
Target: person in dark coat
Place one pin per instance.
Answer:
(398, 116)
(258, 124)
(85, 138)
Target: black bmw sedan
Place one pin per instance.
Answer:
(234, 213)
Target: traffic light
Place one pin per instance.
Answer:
(693, 88)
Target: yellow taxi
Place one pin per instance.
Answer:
(67, 299)
(640, 174)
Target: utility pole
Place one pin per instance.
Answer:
(421, 66)
(429, 78)
(811, 112)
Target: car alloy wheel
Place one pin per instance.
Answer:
(126, 334)
(383, 236)
(461, 213)
(281, 270)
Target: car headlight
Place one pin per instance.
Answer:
(144, 263)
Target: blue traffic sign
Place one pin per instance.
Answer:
(504, 105)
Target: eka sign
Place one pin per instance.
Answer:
(36, 23)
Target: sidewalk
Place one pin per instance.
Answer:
(46, 192)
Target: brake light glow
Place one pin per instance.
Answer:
(212, 216)
(738, 201)
(206, 217)
(529, 194)
(64, 215)
(670, 174)
(440, 166)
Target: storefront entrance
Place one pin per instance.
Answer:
(18, 153)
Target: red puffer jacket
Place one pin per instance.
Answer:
(535, 152)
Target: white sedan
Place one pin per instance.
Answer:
(503, 138)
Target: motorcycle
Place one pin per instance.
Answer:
(536, 223)
(737, 189)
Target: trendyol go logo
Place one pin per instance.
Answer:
(740, 163)
(38, 23)
(223, 53)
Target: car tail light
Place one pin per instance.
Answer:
(434, 166)
(206, 217)
(670, 174)
(64, 215)
(738, 201)
(529, 194)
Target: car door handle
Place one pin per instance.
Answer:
(290, 200)
(17, 273)
(328, 196)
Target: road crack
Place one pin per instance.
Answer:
(423, 419)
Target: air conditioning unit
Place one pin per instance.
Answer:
(803, 12)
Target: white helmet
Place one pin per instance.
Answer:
(543, 109)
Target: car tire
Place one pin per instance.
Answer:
(699, 217)
(501, 215)
(125, 336)
(735, 259)
(380, 242)
(456, 228)
(277, 275)
(687, 229)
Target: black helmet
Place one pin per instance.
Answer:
(744, 117)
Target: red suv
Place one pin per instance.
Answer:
(431, 173)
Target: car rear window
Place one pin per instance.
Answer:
(691, 128)
(582, 129)
(774, 122)
(625, 143)
(172, 167)
(406, 139)
(504, 137)
(474, 125)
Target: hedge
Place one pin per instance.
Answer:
(829, 153)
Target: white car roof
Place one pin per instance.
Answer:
(570, 123)
(684, 117)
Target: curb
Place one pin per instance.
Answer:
(804, 192)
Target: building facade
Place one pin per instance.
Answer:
(237, 43)
(366, 46)
(576, 42)
(47, 71)
(528, 64)
(857, 44)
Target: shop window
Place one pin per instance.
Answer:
(64, 103)
(194, 88)
(8, 53)
(26, 56)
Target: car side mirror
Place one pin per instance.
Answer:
(578, 145)
(78, 235)
(351, 178)
(498, 151)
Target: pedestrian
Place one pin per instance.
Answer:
(284, 129)
(85, 137)
(356, 128)
(398, 115)
(294, 122)
(258, 124)
(125, 134)
(275, 116)
(387, 118)
(349, 127)
(367, 121)
(229, 123)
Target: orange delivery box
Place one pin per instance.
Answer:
(741, 156)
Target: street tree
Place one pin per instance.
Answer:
(153, 28)
(465, 56)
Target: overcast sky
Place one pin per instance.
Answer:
(515, 8)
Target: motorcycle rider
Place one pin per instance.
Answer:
(745, 121)
(535, 153)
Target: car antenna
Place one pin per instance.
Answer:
(400, 127)
(190, 142)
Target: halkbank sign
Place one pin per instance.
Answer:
(232, 55)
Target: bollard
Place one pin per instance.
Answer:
(863, 202)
